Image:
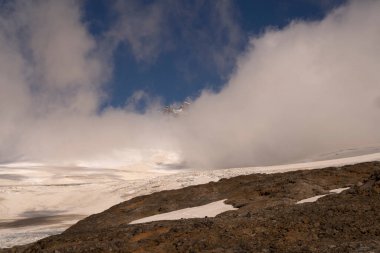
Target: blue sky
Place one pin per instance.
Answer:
(181, 65)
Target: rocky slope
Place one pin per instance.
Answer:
(268, 218)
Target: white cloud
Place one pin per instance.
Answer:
(49, 66)
(307, 89)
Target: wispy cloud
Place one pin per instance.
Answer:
(207, 29)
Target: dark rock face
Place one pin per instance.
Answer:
(268, 220)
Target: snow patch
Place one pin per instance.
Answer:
(339, 190)
(315, 198)
(209, 210)
(312, 199)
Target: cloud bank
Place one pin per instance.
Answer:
(310, 88)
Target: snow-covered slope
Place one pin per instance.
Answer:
(38, 200)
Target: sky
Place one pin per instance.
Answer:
(269, 81)
(175, 49)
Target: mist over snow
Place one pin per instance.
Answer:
(307, 89)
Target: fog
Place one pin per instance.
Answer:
(310, 88)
